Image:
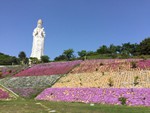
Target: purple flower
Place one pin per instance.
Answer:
(133, 97)
(4, 94)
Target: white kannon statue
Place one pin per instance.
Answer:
(38, 41)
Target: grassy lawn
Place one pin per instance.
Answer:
(32, 106)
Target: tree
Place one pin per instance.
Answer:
(145, 47)
(22, 57)
(118, 49)
(126, 48)
(60, 58)
(33, 60)
(14, 60)
(130, 49)
(69, 53)
(7, 60)
(26, 60)
(45, 59)
(103, 50)
(135, 49)
(112, 49)
(82, 54)
(90, 53)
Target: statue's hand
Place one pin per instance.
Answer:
(42, 34)
(36, 33)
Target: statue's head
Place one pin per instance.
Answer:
(39, 23)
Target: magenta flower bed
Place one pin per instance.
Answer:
(9, 71)
(134, 97)
(4, 94)
(144, 64)
(54, 68)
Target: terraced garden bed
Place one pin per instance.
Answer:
(30, 86)
(130, 97)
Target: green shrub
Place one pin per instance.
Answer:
(96, 69)
(136, 81)
(103, 73)
(123, 100)
(101, 64)
(133, 65)
(110, 82)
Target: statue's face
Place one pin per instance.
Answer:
(39, 26)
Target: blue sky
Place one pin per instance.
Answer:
(77, 24)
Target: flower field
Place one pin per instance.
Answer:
(131, 97)
(29, 82)
(117, 82)
(126, 73)
(100, 65)
(4, 94)
(10, 70)
(144, 64)
(53, 68)
(122, 79)
(111, 81)
(27, 92)
(29, 86)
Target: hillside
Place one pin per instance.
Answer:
(84, 81)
